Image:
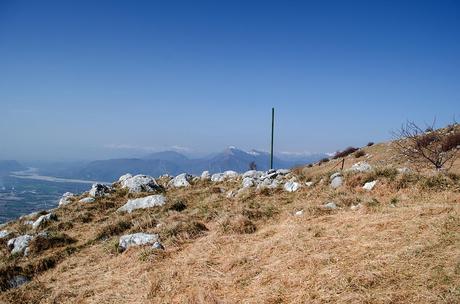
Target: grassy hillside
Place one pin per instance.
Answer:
(398, 243)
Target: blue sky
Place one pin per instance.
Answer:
(97, 79)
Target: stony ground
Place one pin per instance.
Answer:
(396, 243)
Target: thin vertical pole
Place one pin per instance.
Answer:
(271, 149)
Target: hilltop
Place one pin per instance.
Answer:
(382, 230)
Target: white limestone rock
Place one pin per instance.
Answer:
(217, 177)
(248, 182)
(87, 200)
(4, 234)
(336, 182)
(44, 219)
(356, 207)
(404, 170)
(283, 171)
(230, 174)
(137, 239)
(291, 186)
(19, 244)
(299, 213)
(205, 175)
(309, 184)
(182, 180)
(124, 177)
(143, 203)
(330, 205)
(100, 190)
(66, 199)
(252, 174)
(369, 186)
(361, 167)
(335, 175)
(140, 183)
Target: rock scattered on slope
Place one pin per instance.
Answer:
(253, 174)
(140, 183)
(330, 205)
(336, 180)
(66, 198)
(308, 184)
(4, 234)
(137, 239)
(248, 182)
(19, 244)
(99, 190)
(205, 175)
(369, 186)
(44, 219)
(291, 186)
(142, 203)
(124, 177)
(87, 200)
(17, 281)
(182, 180)
(361, 167)
(158, 245)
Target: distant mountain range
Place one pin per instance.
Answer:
(173, 163)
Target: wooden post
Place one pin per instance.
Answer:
(343, 163)
(271, 148)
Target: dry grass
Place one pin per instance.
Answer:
(401, 246)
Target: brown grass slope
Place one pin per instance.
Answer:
(401, 246)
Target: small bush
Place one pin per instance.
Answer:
(451, 141)
(359, 153)
(386, 172)
(42, 243)
(184, 229)
(324, 160)
(370, 143)
(239, 224)
(178, 206)
(310, 165)
(113, 229)
(65, 226)
(436, 182)
(345, 152)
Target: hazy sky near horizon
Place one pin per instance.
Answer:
(99, 79)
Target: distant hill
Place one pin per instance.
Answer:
(174, 163)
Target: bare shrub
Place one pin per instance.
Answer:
(370, 143)
(345, 152)
(252, 165)
(437, 148)
(359, 153)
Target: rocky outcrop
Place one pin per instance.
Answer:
(182, 180)
(361, 167)
(4, 234)
(205, 175)
(100, 190)
(143, 203)
(140, 183)
(369, 186)
(137, 239)
(87, 200)
(66, 198)
(336, 180)
(43, 219)
(19, 244)
(291, 186)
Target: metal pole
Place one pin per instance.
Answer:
(271, 149)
